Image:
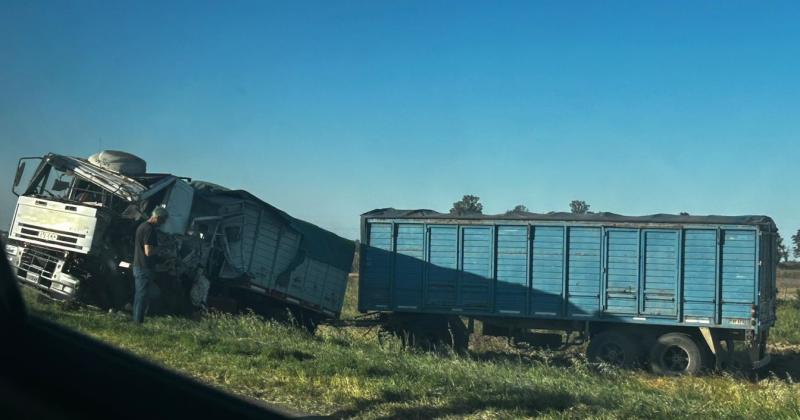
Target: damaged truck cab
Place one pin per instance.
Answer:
(73, 230)
(71, 234)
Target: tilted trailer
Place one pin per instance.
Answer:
(268, 260)
(673, 292)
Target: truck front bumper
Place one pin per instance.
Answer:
(42, 269)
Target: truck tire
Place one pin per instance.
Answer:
(676, 354)
(614, 348)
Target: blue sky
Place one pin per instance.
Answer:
(329, 109)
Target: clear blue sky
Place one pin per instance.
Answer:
(329, 109)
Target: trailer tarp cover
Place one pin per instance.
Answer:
(391, 213)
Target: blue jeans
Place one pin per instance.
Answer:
(145, 289)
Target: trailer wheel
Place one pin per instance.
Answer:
(614, 348)
(676, 354)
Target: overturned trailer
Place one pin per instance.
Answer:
(72, 237)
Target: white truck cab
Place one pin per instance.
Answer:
(74, 219)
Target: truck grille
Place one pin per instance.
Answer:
(51, 236)
(39, 266)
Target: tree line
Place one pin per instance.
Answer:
(470, 204)
(783, 250)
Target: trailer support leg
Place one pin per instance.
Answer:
(721, 354)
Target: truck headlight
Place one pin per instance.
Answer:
(11, 250)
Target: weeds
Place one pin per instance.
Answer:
(787, 329)
(345, 372)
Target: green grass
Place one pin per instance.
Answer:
(788, 283)
(348, 373)
(787, 329)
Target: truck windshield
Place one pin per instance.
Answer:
(52, 182)
(62, 184)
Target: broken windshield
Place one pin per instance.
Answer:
(60, 182)
(71, 179)
(52, 182)
(63, 184)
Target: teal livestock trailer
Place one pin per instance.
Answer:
(673, 292)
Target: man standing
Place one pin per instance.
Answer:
(145, 244)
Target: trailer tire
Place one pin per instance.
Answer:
(614, 348)
(676, 354)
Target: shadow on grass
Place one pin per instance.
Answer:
(526, 401)
(283, 354)
(378, 371)
(72, 317)
(785, 364)
(548, 358)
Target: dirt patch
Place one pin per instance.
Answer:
(785, 362)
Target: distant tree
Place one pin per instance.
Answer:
(796, 242)
(469, 204)
(519, 208)
(783, 252)
(683, 213)
(579, 207)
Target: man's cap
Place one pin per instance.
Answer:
(160, 212)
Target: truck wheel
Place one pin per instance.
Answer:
(614, 348)
(676, 354)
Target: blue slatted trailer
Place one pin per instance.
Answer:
(674, 292)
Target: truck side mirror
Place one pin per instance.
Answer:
(21, 172)
(18, 176)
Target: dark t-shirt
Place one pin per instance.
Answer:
(146, 234)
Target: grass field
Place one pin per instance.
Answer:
(788, 283)
(348, 373)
